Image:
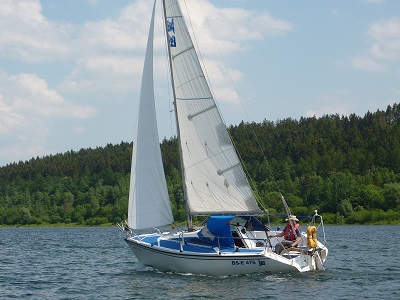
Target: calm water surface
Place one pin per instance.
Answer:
(95, 263)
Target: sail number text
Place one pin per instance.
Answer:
(243, 262)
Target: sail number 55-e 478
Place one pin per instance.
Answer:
(243, 262)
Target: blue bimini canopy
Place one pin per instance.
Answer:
(256, 224)
(218, 232)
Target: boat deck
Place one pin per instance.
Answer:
(193, 244)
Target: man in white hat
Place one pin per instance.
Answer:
(290, 233)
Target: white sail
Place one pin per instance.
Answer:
(214, 178)
(149, 204)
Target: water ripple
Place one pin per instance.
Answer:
(95, 263)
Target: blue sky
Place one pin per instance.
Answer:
(70, 69)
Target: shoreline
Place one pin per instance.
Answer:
(75, 225)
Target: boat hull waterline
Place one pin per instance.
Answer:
(221, 262)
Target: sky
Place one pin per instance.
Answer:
(70, 70)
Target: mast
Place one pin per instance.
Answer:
(188, 216)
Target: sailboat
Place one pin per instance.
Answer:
(233, 240)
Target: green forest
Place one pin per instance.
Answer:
(346, 167)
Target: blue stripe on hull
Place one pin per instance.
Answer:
(207, 255)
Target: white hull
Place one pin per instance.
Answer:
(243, 261)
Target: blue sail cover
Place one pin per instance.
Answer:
(218, 232)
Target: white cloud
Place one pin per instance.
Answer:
(79, 129)
(335, 12)
(27, 35)
(29, 95)
(27, 108)
(227, 26)
(385, 37)
(221, 30)
(24, 150)
(375, 1)
(124, 34)
(112, 50)
(8, 118)
(100, 61)
(92, 2)
(338, 102)
(367, 64)
(89, 72)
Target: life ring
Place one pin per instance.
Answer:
(312, 241)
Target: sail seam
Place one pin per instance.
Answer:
(190, 116)
(171, 17)
(192, 79)
(220, 172)
(186, 50)
(199, 98)
(209, 157)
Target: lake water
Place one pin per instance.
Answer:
(96, 263)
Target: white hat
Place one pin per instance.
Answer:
(292, 218)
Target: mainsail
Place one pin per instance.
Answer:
(149, 204)
(215, 182)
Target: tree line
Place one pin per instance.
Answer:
(346, 167)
